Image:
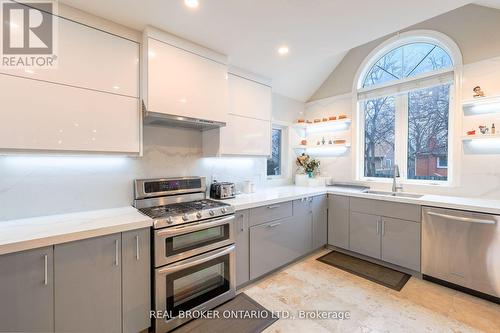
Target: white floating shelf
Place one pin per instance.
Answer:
(325, 126)
(325, 150)
(480, 137)
(481, 105)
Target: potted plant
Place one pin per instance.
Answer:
(308, 165)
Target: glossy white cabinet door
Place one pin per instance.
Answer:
(249, 99)
(245, 136)
(93, 59)
(184, 84)
(37, 115)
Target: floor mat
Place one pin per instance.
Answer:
(385, 276)
(261, 319)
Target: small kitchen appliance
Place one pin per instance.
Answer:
(222, 190)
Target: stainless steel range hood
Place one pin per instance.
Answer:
(169, 120)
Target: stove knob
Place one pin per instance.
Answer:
(185, 217)
(198, 215)
(223, 210)
(170, 220)
(211, 212)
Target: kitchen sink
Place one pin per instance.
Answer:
(395, 194)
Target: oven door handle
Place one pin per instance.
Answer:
(196, 261)
(169, 232)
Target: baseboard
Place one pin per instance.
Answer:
(466, 290)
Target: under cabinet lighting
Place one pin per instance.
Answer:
(70, 162)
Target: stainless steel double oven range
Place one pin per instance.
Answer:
(193, 247)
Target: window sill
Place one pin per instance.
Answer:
(367, 181)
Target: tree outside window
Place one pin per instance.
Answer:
(407, 110)
(274, 162)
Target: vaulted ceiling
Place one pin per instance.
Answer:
(317, 32)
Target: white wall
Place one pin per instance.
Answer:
(478, 174)
(472, 27)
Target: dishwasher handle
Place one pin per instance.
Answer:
(462, 219)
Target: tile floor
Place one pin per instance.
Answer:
(420, 306)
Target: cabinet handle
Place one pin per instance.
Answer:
(273, 225)
(46, 270)
(116, 252)
(383, 227)
(137, 247)
(378, 227)
(273, 207)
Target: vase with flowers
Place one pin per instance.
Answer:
(306, 164)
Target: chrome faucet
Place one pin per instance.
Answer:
(395, 186)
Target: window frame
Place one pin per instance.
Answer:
(401, 120)
(438, 165)
(283, 151)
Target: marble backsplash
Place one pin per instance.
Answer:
(35, 185)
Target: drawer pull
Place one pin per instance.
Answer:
(46, 270)
(117, 248)
(137, 247)
(273, 225)
(273, 206)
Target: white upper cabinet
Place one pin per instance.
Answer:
(88, 103)
(249, 98)
(246, 136)
(248, 128)
(37, 115)
(184, 80)
(92, 59)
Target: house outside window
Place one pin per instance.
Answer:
(274, 162)
(404, 102)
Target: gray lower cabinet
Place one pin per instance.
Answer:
(136, 280)
(242, 247)
(364, 234)
(88, 285)
(338, 221)
(320, 221)
(277, 243)
(27, 291)
(303, 215)
(401, 242)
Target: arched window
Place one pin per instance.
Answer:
(403, 92)
(407, 61)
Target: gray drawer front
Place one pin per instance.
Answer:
(386, 208)
(270, 213)
(275, 244)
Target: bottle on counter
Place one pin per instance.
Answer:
(493, 129)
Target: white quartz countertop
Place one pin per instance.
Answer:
(273, 195)
(30, 233)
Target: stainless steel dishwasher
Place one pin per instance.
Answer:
(461, 249)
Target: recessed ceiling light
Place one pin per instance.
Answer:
(283, 50)
(192, 3)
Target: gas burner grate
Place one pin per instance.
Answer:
(181, 208)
